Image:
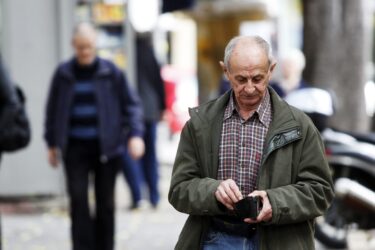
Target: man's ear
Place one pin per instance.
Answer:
(273, 65)
(225, 70)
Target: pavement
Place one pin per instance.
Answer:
(42, 223)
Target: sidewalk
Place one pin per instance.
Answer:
(44, 225)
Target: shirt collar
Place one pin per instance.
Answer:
(263, 111)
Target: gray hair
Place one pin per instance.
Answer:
(259, 41)
(84, 29)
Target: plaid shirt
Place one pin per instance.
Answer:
(241, 145)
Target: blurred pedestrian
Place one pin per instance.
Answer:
(14, 124)
(152, 93)
(249, 143)
(133, 177)
(292, 66)
(91, 115)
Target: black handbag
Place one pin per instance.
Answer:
(15, 131)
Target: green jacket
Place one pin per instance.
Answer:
(293, 172)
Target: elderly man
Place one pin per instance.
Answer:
(249, 142)
(91, 115)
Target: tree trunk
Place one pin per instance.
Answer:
(335, 49)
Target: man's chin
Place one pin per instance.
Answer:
(85, 61)
(250, 103)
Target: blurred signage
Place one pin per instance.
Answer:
(108, 13)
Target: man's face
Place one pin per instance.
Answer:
(85, 49)
(249, 74)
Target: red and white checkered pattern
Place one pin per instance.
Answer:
(241, 146)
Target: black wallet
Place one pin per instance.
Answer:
(248, 207)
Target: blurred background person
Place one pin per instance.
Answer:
(292, 66)
(91, 114)
(152, 92)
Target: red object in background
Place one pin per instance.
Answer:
(170, 93)
(169, 76)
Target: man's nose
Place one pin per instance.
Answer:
(249, 87)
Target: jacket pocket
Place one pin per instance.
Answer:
(292, 237)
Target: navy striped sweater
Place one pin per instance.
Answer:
(84, 112)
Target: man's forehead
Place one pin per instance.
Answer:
(249, 56)
(85, 39)
(250, 66)
(249, 73)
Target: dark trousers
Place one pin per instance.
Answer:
(132, 173)
(91, 230)
(149, 162)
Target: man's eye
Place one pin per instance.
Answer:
(257, 79)
(242, 80)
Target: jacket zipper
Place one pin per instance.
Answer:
(276, 139)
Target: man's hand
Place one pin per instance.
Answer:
(266, 213)
(228, 193)
(53, 157)
(136, 147)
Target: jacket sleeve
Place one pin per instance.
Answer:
(131, 108)
(50, 112)
(312, 192)
(189, 191)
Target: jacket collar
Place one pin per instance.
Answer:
(263, 111)
(282, 117)
(67, 69)
(284, 127)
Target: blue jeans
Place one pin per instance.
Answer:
(133, 176)
(216, 240)
(149, 162)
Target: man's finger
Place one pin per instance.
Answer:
(236, 194)
(265, 214)
(222, 200)
(251, 221)
(223, 194)
(226, 192)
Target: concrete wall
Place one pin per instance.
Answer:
(35, 37)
